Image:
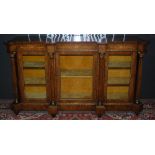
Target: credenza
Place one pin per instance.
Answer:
(77, 76)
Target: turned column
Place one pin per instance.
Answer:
(14, 70)
(100, 108)
(52, 109)
(102, 49)
(51, 75)
(139, 76)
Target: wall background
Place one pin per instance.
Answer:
(148, 80)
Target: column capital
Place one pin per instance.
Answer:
(141, 54)
(13, 54)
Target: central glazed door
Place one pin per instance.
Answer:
(77, 78)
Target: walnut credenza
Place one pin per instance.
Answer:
(77, 76)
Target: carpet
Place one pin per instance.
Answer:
(148, 113)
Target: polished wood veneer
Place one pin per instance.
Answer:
(77, 76)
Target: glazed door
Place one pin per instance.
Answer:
(120, 74)
(33, 76)
(77, 77)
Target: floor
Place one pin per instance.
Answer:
(148, 113)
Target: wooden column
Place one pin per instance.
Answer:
(52, 109)
(100, 109)
(102, 53)
(139, 76)
(12, 50)
(14, 71)
(51, 75)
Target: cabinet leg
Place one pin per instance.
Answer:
(137, 108)
(52, 110)
(16, 108)
(100, 110)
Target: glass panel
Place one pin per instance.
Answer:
(34, 76)
(76, 87)
(76, 65)
(117, 93)
(119, 61)
(34, 61)
(35, 92)
(119, 76)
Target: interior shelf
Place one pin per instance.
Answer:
(119, 80)
(117, 84)
(34, 65)
(35, 85)
(119, 65)
(77, 77)
(34, 80)
(76, 95)
(76, 73)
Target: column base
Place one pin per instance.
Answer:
(100, 110)
(53, 110)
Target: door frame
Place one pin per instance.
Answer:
(95, 76)
(131, 93)
(24, 52)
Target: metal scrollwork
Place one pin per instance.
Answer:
(102, 54)
(99, 38)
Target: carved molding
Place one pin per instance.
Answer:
(50, 50)
(51, 55)
(102, 54)
(76, 47)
